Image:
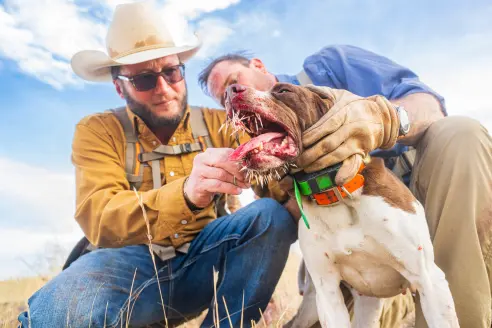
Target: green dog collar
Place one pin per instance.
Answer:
(316, 182)
(306, 184)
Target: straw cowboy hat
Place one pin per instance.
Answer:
(136, 34)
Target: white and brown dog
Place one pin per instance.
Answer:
(376, 241)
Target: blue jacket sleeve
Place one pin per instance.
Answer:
(364, 73)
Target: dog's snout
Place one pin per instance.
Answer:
(236, 88)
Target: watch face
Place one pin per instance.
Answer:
(404, 120)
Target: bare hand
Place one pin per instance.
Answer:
(214, 173)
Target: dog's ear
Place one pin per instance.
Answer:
(324, 92)
(324, 98)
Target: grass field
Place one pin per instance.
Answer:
(14, 293)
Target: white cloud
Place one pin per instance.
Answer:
(30, 253)
(459, 69)
(255, 22)
(42, 36)
(48, 198)
(215, 32)
(212, 32)
(31, 35)
(113, 3)
(48, 195)
(191, 9)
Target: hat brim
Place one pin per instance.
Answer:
(95, 66)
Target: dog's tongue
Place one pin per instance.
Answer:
(242, 150)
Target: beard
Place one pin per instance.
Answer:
(151, 120)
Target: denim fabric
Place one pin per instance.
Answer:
(248, 248)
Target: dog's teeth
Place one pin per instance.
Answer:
(259, 119)
(260, 147)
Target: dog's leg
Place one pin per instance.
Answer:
(418, 267)
(435, 297)
(402, 240)
(416, 264)
(307, 315)
(325, 276)
(367, 310)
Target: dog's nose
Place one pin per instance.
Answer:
(236, 88)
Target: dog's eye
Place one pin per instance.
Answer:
(283, 91)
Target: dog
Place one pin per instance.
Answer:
(376, 241)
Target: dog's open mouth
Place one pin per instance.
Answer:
(272, 147)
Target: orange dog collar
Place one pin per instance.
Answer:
(320, 186)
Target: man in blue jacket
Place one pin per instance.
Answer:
(451, 175)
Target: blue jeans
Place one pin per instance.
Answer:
(248, 248)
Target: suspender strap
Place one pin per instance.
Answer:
(133, 169)
(303, 78)
(199, 128)
(134, 156)
(202, 141)
(156, 173)
(163, 150)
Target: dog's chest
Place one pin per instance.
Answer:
(356, 240)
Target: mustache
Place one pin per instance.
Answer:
(150, 119)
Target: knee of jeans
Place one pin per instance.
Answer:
(78, 294)
(279, 221)
(62, 306)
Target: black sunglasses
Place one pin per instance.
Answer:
(148, 80)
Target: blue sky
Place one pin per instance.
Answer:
(447, 43)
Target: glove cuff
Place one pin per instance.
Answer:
(391, 123)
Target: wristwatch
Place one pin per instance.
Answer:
(402, 114)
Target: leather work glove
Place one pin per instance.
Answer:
(352, 127)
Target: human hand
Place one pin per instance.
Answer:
(353, 127)
(214, 173)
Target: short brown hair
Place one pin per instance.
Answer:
(241, 57)
(115, 71)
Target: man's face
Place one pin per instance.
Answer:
(227, 72)
(162, 106)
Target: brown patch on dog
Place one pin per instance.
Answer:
(379, 181)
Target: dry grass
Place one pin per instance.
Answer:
(14, 293)
(13, 296)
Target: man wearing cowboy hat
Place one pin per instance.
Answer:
(177, 182)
